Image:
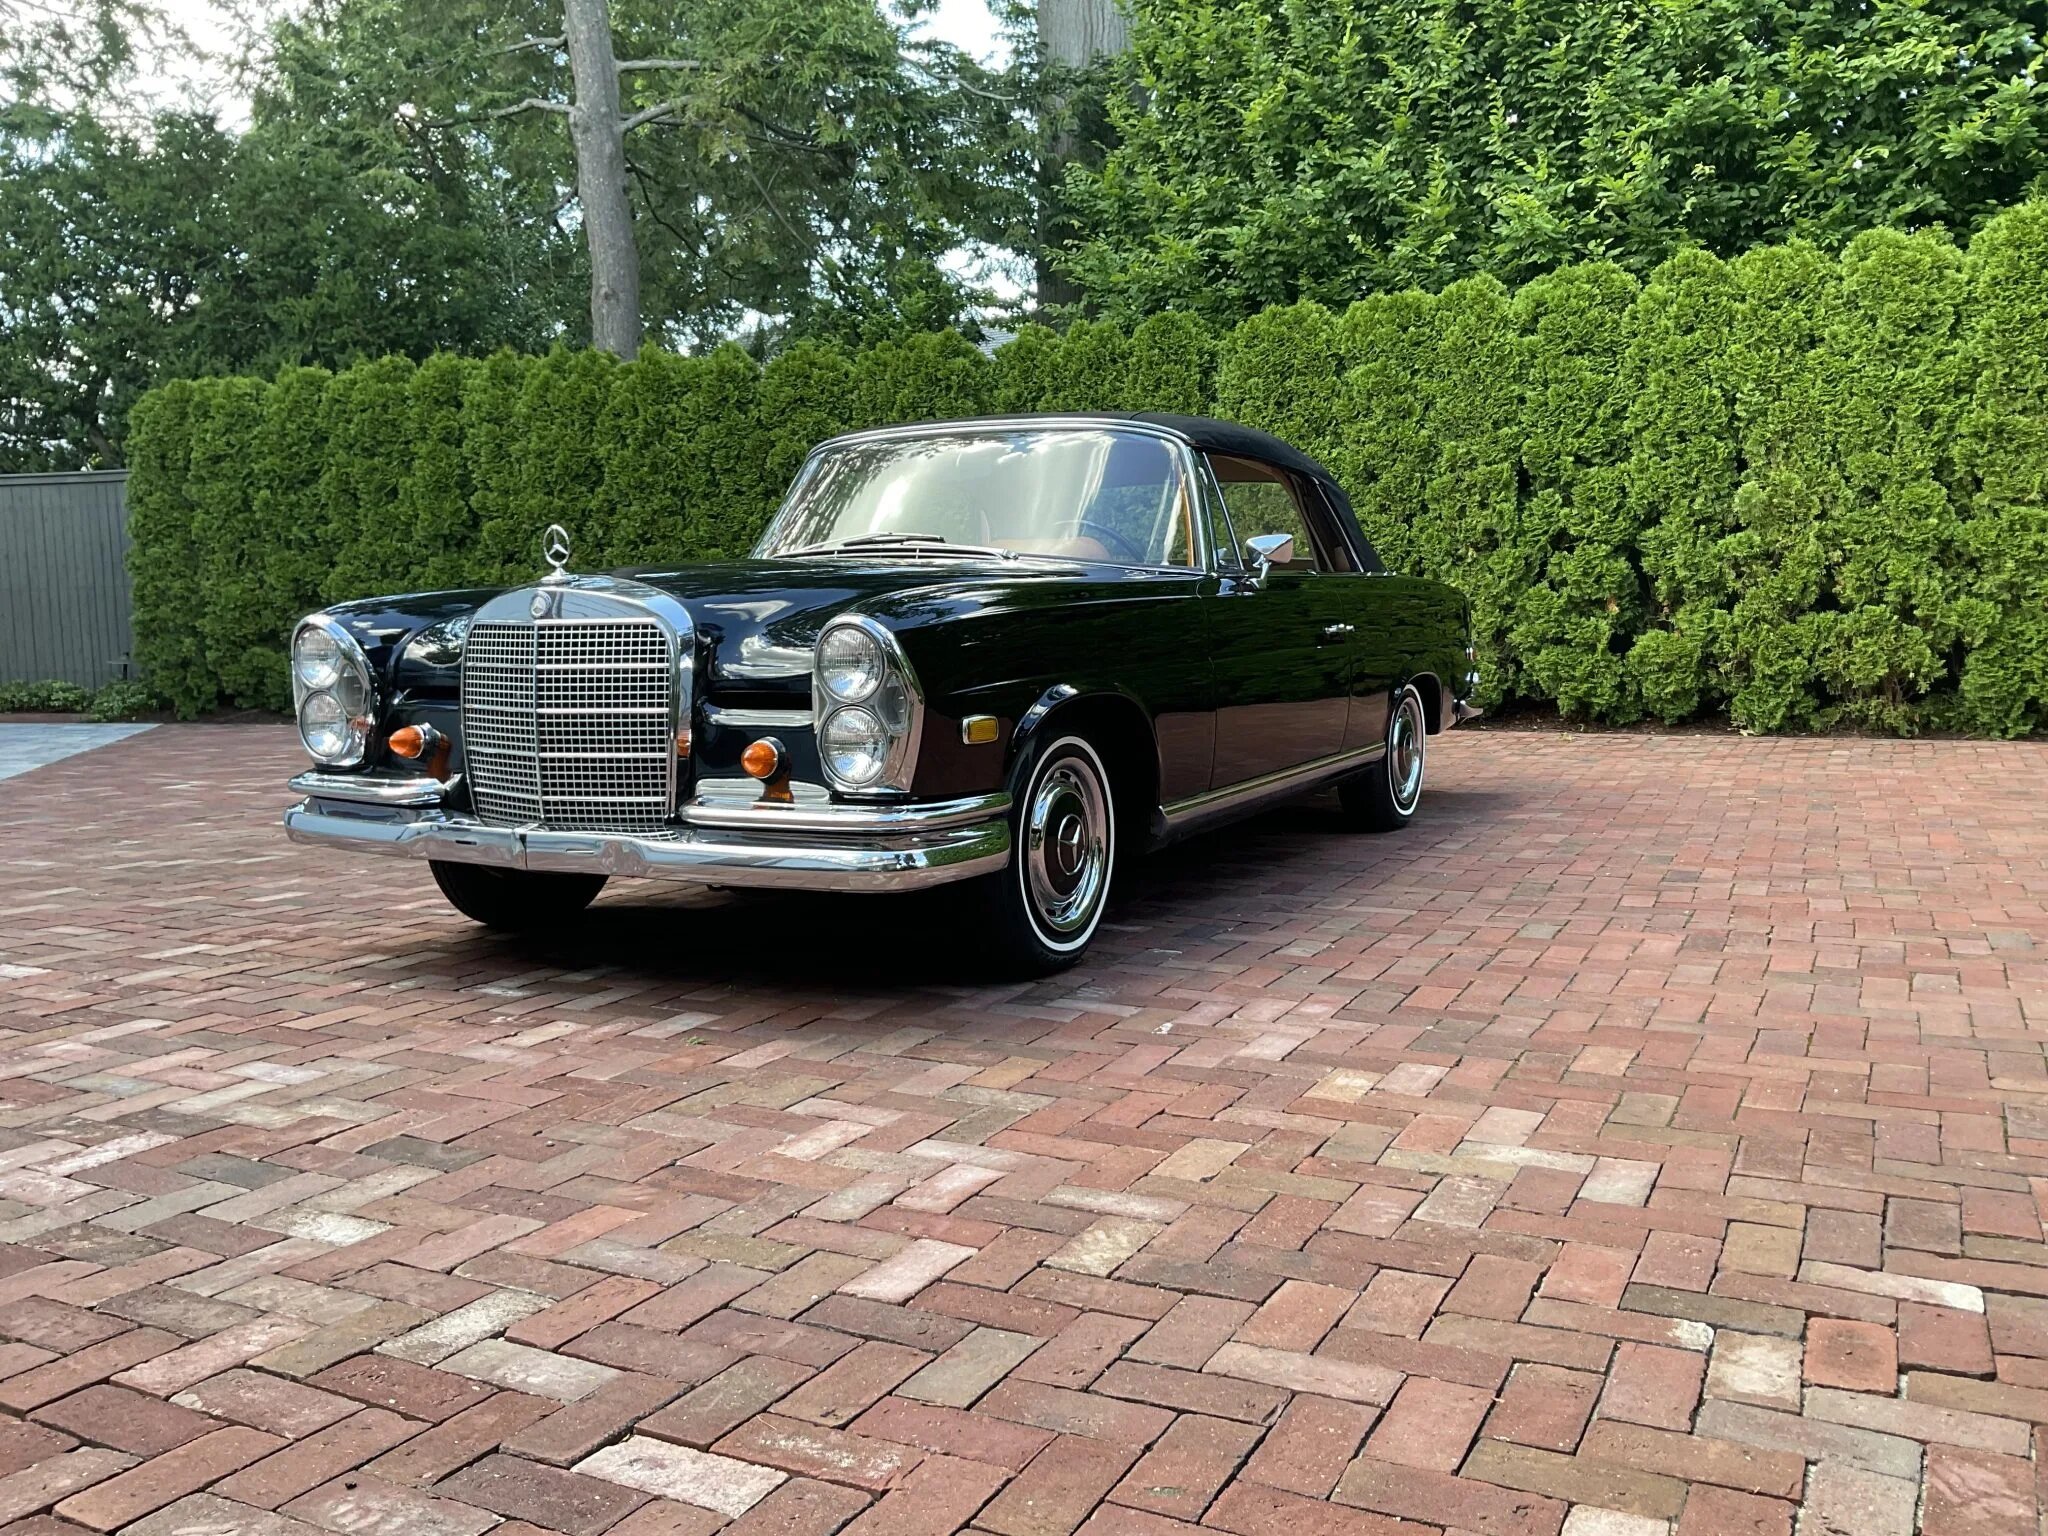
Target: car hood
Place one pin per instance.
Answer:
(758, 620)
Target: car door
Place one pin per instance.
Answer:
(1282, 644)
(1362, 599)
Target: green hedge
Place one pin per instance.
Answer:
(1795, 489)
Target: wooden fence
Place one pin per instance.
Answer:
(64, 591)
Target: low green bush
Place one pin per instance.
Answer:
(122, 700)
(125, 699)
(44, 698)
(1796, 489)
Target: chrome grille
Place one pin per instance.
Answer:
(568, 723)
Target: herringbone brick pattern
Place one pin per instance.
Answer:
(1653, 1139)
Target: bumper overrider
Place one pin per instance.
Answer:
(819, 846)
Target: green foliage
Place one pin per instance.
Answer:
(804, 396)
(398, 189)
(244, 653)
(1680, 476)
(681, 464)
(1091, 371)
(1583, 604)
(1027, 366)
(164, 552)
(922, 378)
(491, 461)
(1806, 489)
(1172, 364)
(1267, 152)
(51, 697)
(554, 464)
(123, 699)
(2001, 462)
(1278, 371)
(1385, 453)
(434, 497)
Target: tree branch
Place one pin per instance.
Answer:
(536, 45)
(625, 64)
(653, 114)
(531, 104)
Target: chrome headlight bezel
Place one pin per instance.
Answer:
(866, 675)
(894, 700)
(353, 683)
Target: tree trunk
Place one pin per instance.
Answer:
(1076, 33)
(1072, 35)
(594, 128)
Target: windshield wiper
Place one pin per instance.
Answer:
(902, 540)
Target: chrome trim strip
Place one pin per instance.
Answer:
(1214, 804)
(377, 789)
(847, 820)
(906, 861)
(756, 719)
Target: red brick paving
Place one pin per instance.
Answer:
(1654, 1139)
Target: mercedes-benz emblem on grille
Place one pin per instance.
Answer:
(554, 547)
(539, 606)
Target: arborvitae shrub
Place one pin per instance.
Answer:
(1091, 370)
(491, 458)
(1468, 528)
(1026, 366)
(1680, 476)
(1278, 371)
(1385, 454)
(1172, 364)
(1572, 625)
(436, 497)
(369, 431)
(2001, 458)
(242, 649)
(163, 556)
(805, 396)
(922, 378)
(1801, 488)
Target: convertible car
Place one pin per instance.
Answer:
(1007, 652)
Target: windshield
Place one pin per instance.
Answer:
(1070, 493)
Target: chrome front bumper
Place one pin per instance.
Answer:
(796, 847)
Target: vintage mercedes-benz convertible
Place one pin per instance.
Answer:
(1006, 652)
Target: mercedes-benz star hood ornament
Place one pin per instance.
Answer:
(554, 548)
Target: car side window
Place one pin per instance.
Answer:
(1223, 543)
(1262, 499)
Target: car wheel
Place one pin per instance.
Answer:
(1385, 795)
(1043, 909)
(514, 900)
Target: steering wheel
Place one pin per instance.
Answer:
(1106, 535)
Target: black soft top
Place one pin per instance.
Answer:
(1227, 437)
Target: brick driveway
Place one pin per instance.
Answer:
(1654, 1138)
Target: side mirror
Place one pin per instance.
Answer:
(1266, 550)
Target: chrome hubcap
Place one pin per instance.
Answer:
(1066, 846)
(1405, 738)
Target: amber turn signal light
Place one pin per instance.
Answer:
(410, 742)
(762, 759)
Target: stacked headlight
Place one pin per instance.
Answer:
(864, 703)
(332, 692)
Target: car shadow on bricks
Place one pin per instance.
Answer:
(1268, 871)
